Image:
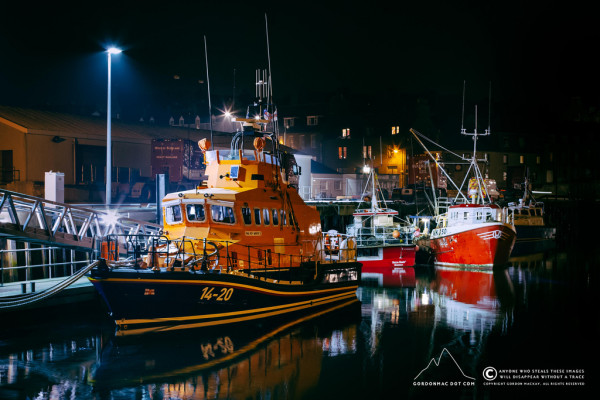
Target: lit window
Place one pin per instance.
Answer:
(195, 212)
(173, 214)
(247, 215)
(522, 159)
(288, 122)
(395, 130)
(505, 158)
(538, 160)
(346, 133)
(222, 214)
(340, 153)
(345, 152)
(257, 216)
(312, 120)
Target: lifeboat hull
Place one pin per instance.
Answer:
(141, 298)
(484, 246)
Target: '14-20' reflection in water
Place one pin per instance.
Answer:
(375, 347)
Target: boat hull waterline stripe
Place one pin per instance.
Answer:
(219, 284)
(256, 314)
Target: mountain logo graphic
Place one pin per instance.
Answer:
(449, 364)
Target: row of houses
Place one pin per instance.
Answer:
(335, 157)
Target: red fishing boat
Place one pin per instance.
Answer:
(384, 243)
(473, 232)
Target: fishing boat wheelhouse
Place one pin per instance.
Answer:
(384, 242)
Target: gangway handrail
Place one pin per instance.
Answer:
(45, 219)
(23, 300)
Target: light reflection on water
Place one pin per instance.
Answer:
(375, 349)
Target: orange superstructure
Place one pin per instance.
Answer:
(248, 206)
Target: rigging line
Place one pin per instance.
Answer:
(439, 145)
(414, 132)
(208, 86)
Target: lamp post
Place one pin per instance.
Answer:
(110, 51)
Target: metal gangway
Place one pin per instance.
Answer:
(41, 227)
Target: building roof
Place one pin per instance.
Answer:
(69, 125)
(90, 127)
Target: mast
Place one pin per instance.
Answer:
(208, 85)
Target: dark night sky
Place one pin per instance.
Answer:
(536, 58)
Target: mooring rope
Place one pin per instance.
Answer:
(23, 300)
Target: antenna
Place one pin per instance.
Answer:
(462, 121)
(270, 89)
(208, 85)
(488, 131)
(475, 119)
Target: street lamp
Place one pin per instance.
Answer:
(110, 51)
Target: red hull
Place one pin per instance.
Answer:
(482, 247)
(391, 259)
(398, 277)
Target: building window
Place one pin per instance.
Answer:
(342, 153)
(313, 141)
(288, 122)
(505, 158)
(346, 133)
(504, 176)
(395, 130)
(549, 176)
(521, 159)
(367, 152)
(538, 160)
(312, 120)
(337, 185)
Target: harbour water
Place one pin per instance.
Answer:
(530, 327)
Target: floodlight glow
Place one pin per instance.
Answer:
(366, 169)
(113, 50)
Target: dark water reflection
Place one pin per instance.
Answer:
(536, 314)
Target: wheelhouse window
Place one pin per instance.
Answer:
(283, 218)
(247, 215)
(222, 214)
(257, 216)
(195, 212)
(173, 214)
(275, 218)
(266, 216)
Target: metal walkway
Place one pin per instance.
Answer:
(34, 219)
(51, 246)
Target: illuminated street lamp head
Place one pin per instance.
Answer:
(113, 50)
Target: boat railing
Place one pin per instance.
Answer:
(338, 247)
(155, 252)
(383, 236)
